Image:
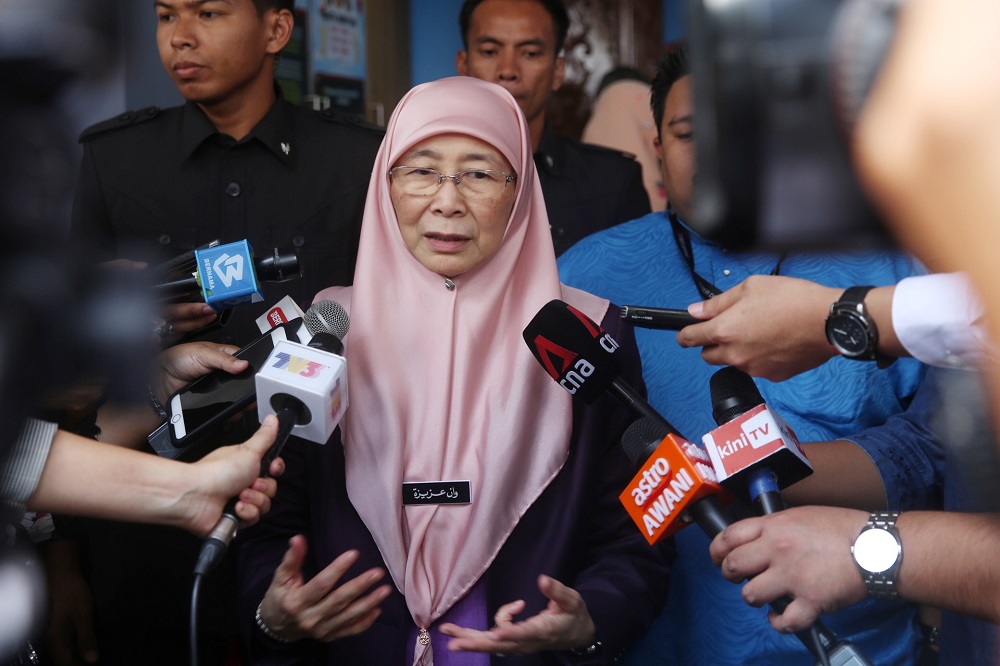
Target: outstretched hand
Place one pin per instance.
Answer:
(294, 608)
(768, 326)
(565, 623)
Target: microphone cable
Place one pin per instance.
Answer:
(216, 543)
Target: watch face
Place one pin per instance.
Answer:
(849, 335)
(876, 550)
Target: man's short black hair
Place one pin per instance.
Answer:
(671, 67)
(264, 5)
(555, 8)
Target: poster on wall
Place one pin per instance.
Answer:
(337, 34)
(293, 65)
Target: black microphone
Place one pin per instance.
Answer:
(583, 358)
(305, 387)
(753, 449)
(580, 356)
(659, 318)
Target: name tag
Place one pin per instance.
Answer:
(437, 492)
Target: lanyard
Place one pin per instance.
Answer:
(683, 239)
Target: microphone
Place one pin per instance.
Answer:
(305, 386)
(580, 356)
(659, 318)
(675, 483)
(753, 448)
(201, 407)
(223, 275)
(674, 487)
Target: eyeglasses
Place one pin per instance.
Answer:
(422, 181)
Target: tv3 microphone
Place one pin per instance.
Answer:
(753, 450)
(668, 319)
(305, 386)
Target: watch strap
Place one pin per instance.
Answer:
(882, 585)
(853, 298)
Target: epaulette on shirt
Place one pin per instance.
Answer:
(333, 115)
(121, 121)
(605, 150)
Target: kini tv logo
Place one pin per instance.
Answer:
(755, 432)
(567, 367)
(298, 366)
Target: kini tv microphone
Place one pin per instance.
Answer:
(753, 448)
(667, 319)
(674, 487)
(305, 386)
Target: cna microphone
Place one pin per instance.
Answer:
(583, 358)
(305, 386)
(668, 319)
(753, 448)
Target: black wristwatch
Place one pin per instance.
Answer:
(852, 331)
(878, 553)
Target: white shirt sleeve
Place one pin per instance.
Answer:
(939, 320)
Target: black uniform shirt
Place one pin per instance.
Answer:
(587, 188)
(156, 183)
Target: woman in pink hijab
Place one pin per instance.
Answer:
(462, 469)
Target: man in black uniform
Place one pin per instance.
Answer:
(517, 44)
(236, 161)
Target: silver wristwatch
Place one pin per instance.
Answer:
(878, 552)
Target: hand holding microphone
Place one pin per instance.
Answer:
(305, 386)
(579, 355)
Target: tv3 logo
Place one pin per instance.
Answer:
(297, 365)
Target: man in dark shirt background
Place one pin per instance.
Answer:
(235, 161)
(518, 44)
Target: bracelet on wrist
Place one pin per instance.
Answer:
(266, 629)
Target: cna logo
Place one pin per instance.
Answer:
(296, 365)
(554, 358)
(229, 268)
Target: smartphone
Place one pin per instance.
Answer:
(201, 407)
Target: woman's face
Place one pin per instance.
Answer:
(450, 229)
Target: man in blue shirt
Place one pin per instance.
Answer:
(658, 261)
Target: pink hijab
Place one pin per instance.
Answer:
(442, 386)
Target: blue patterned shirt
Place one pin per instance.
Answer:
(706, 620)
